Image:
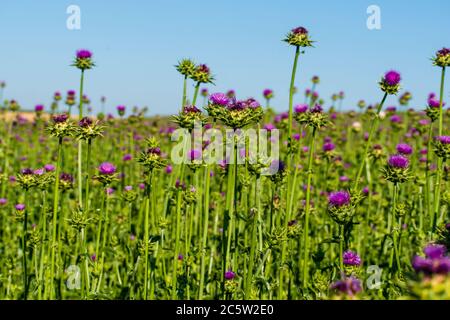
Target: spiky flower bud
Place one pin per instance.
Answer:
(298, 37)
(186, 67)
(188, 117)
(442, 58)
(83, 60)
(151, 158)
(60, 126)
(202, 74)
(88, 130)
(442, 147)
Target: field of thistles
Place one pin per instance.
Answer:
(350, 204)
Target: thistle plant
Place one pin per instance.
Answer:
(201, 74)
(186, 67)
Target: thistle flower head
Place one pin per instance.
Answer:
(106, 168)
(435, 251)
(443, 139)
(349, 286)
(390, 83)
(442, 147)
(339, 199)
(398, 161)
(268, 93)
(442, 58)
(229, 275)
(204, 92)
(49, 168)
(60, 118)
(328, 147)
(299, 37)
(404, 149)
(351, 258)
(231, 94)
(39, 108)
(83, 60)
(434, 262)
(121, 110)
(85, 122)
(315, 80)
(219, 99)
(20, 207)
(301, 108)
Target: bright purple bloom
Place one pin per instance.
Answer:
(443, 139)
(396, 119)
(392, 78)
(61, 118)
(107, 168)
(268, 93)
(229, 275)
(195, 154)
(404, 149)
(398, 161)
(49, 167)
(351, 258)
(3, 201)
(109, 191)
(84, 54)
(169, 169)
(39, 172)
(39, 108)
(219, 99)
(339, 199)
(128, 188)
(20, 207)
(329, 146)
(301, 108)
(269, 127)
(85, 122)
(27, 171)
(434, 251)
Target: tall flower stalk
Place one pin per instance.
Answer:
(389, 84)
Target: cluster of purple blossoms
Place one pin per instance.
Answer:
(351, 258)
(434, 262)
(398, 161)
(339, 199)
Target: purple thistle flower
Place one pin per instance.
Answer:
(329, 146)
(39, 172)
(317, 109)
(252, 103)
(443, 139)
(351, 258)
(404, 149)
(349, 286)
(49, 167)
(109, 191)
(128, 188)
(398, 161)
(392, 78)
(344, 179)
(155, 150)
(396, 119)
(66, 177)
(268, 93)
(339, 199)
(127, 157)
(180, 257)
(269, 127)
(107, 168)
(20, 207)
(84, 54)
(3, 201)
(443, 52)
(191, 109)
(229, 275)
(169, 169)
(85, 122)
(27, 171)
(71, 93)
(60, 118)
(219, 99)
(39, 108)
(142, 186)
(301, 108)
(195, 154)
(299, 30)
(434, 251)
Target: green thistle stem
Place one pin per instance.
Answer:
(205, 232)
(55, 217)
(373, 127)
(194, 99)
(307, 210)
(146, 232)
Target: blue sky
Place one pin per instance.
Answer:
(136, 44)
